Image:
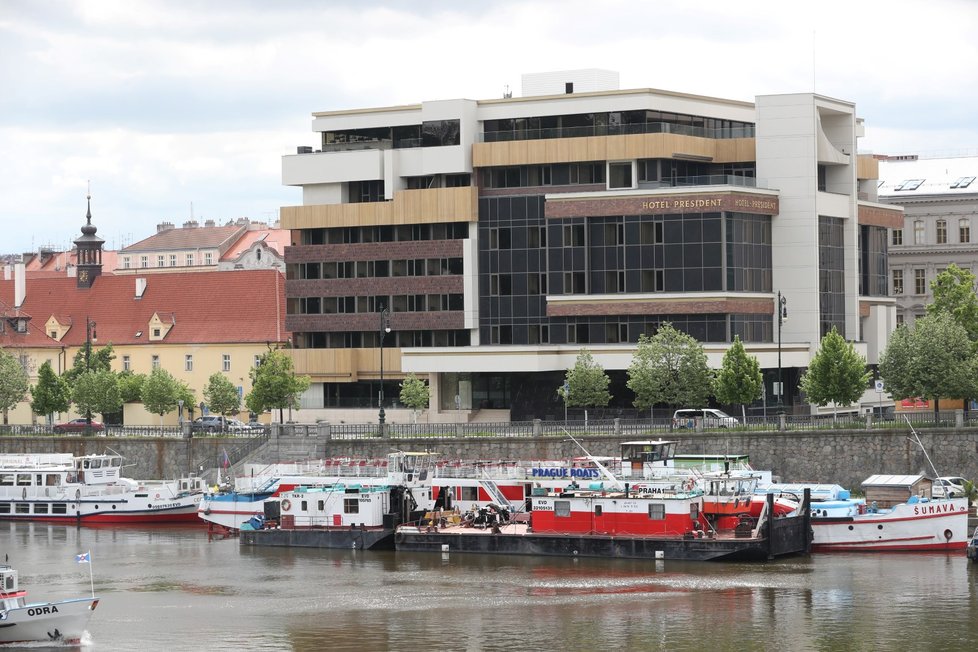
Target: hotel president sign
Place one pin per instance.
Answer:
(733, 202)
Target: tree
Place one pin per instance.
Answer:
(50, 394)
(274, 384)
(837, 374)
(670, 367)
(739, 379)
(933, 360)
(131, 386)
(161, 391)
(87, 358)
(586, 383)
(14, 383)
(954, 293)
(221, 396)
(96, 391)
(415, 394)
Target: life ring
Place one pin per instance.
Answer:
(157, 496)
(286, 505)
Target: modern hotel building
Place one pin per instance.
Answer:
(506, 235)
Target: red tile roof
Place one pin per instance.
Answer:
(187, 238)
(208, 307)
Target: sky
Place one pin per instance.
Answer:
(171, 110)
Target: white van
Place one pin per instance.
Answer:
(709, 418)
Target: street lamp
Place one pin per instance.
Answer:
(782, 307)
(89, 336)
(385, 328)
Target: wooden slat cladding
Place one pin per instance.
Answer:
(891, 218)
(427, 206)
(867, 167)
(345, 365)
(643, 306)
(611, 148)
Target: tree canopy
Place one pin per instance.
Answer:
(837, 373)
(274, 384)
(98, 360)
(670, 367)
(14, 383)
(586, 382)
(221, 396)
(415, 393)
(97, 391)
(161, 392)
(739, 380)
(51, 393)
(954, 294)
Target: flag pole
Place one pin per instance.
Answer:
(91, 575)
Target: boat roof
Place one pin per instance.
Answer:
(648, 442)
(884, 480)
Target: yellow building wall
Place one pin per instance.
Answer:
(207, 359)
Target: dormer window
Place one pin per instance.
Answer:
(156, 332)
(20, 325)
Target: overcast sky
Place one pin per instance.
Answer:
(174, 109)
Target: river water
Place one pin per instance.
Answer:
(170, 588)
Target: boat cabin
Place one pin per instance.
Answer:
(889, 490)
(11, 597)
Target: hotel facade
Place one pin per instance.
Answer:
(506, 235)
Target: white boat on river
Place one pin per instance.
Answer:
(21, 621)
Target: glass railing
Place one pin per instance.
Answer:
(701, 180)
(617, 130)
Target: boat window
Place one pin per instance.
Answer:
(96, 464)
(657, 511)
(59, 508)
(469, 493)
(23, 479)
(4, 508)
(694, 510)
(597, 510)
(562, 508)
(22, 508)
(321, 506)
(6, 479)
(40, 508)
(52, 480)
(303, 506)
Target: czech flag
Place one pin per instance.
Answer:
(84, 558)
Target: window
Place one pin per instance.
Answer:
(918, 232)
(910, 184)
(208, 258)
(351, 506)
(897, 237)
(125, 262)
(159, 260)
(226, 362)
(156, 362)
(188, 362)
(897, 281)
(144, 261)
(657, 511)
(173, 260)
(562, 508)
(126, 366)
(941, 231)
(156, 332)
(190, 260)
(919, 282)
(962, 182)
(257, 361)
(620, 175)
(964, 230)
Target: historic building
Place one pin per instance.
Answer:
(192, 324)
(939, 197)
(505, 235)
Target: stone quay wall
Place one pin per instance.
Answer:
(845, 457)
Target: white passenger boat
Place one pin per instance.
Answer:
(21, 621)
(62, 488)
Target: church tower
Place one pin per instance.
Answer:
(89, 248)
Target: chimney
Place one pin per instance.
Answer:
(192, 224)
(20, 285)
(7, 272)
(209, 223)
(140, 286)
(164, 226)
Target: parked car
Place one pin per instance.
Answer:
(948, 486)
(209, 423)
(236, 425)
(709, 418)
(78, 425)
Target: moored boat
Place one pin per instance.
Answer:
(90, 489)
(21, 621)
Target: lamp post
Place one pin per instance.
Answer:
(89, 330)
(782, 318)
(385, 328)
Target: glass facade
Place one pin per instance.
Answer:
(831, 275)
(612, 123)
(872, 261)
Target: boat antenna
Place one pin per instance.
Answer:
(916, 440)
(608, 474)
